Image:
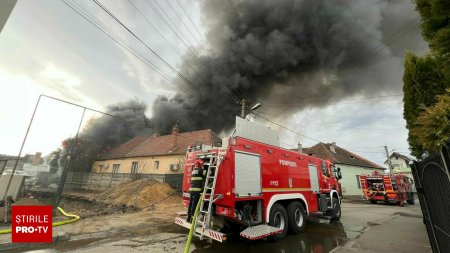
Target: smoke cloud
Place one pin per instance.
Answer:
(102, 134)
(281, 52)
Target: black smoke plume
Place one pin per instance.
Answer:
(102, 134)
(279, 52)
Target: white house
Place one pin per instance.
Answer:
(400, 164)
(351, 164)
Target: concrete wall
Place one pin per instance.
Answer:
(103, 181)
(14, 188)
(350, 184)
(147, 165)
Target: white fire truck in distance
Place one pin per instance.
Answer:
(258, 189)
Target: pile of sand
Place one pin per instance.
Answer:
(140, 194)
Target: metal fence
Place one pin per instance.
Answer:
(432, 178)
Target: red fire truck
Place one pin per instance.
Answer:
(260, 190)
(387, 187)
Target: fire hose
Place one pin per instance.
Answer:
(194, 220)
(55, 224)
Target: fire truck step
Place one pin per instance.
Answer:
(259, 232)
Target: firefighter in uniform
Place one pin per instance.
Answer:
(197, 183)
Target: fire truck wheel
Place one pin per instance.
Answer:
(278, 218)
(296, 217)
(373, 201)
(336, 211)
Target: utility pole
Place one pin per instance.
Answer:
(388, 160)
(243, 108)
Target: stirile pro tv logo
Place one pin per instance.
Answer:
(32, 224)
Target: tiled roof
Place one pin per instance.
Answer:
(171, 144)
(342, 156)
(398, 155)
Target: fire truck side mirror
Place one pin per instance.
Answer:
(338, 173)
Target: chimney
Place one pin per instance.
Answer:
(333, 147)
(37, 158)
(299, 147)
(175, 131)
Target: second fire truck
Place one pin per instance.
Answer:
(387, 187)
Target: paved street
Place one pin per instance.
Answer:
(382, 228)
(364, 228)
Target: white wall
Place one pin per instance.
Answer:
(349, 183)
(400, 165)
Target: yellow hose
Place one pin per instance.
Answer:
(194, 220)
(55, 224)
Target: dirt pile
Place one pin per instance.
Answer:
(140, 194)
(144, 194)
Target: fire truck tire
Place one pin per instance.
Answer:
(278, 218)
(336, 211)
(411, 200)
(296, 217)
(373, 201)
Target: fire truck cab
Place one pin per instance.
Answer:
(260, 190)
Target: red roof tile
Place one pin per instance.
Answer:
(150, 145)
(343, 156)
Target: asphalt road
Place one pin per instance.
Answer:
(364, 227)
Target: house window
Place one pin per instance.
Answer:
(134, 167)
(156, 165)
(358, 182)
(116, 168)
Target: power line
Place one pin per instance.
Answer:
(180, 36)
(190, 20)
(181, 20)
(395, 36)
(319, 102)
(193, 86)
(314, 139)
(163, 16)
(157, 30)
(241, 94)
(285, 128)
(116, 117)
(162, 35)
(121, 43)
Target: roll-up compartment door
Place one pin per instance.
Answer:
(247, 174)
(314, 178)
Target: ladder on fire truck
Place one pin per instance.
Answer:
(204, 220)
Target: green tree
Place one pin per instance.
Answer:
(433, 124)
(422, 82)
(427, 76)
